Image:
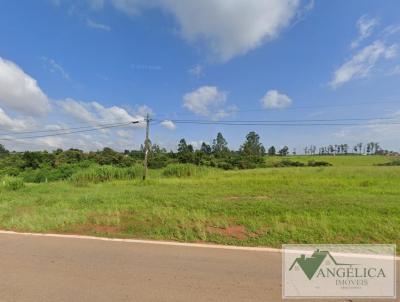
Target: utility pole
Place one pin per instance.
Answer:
(146, 147)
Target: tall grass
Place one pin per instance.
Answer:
(185, 170)
(105, 173)
(12, 183)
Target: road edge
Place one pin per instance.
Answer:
(145, 241)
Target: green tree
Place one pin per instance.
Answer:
(220, 146)
(3, 151)
(185, 152)
(252, 146)
(284, 151)
(205, 148)
(271, 151)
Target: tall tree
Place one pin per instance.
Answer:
(220, 146)
(252, 146)
(205, 148)
(271, 151)
(284, 151)
(3, 151)
(185, 152)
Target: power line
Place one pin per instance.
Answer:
(288, 108)
(287, 121)
(70, 132)
(60, 129)
(280, 124)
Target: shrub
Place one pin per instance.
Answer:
(226, 166)
(395, 162)
(105, 173)
(13, 183)
(184, 170)
(313, 163)
(288, 163)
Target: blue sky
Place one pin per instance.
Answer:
(68, 63)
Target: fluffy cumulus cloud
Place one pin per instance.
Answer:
(275, 100)
(77, 110)
(229, 28)
(24, 107)
(94, 112)
(204, 100)
(363, 62)
(20, 92)
(365, 26)
(168, 124)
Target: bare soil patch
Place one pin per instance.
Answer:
(235, 231)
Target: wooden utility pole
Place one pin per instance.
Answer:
(146, 147)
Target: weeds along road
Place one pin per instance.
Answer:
(37, 268)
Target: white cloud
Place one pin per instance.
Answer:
(77, 110)
(391, 30)
(275, 100)
(203, 99)
(14, 124)
(143, 110)
(54, 67)
(20, 92)
(168, 124)
(97, 25)
(124, 133)
(94, 112)
(229, 28)
(365, 26)
(114, 114)
(361, 64)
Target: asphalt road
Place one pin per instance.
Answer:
(34, 268)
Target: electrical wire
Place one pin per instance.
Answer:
(288, 121)
(60, 129)
(289, 108)
(70, 132)
(279, 124)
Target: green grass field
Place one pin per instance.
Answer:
(352, 201)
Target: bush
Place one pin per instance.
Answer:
(184, 170)
(313, 163)
(288, 163)
(12, 183)
(98, 174)
(395, 162)
(226, 166)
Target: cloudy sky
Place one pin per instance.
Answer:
(73, 64)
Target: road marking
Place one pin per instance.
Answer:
(171, 243)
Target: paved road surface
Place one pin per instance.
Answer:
(34, 268)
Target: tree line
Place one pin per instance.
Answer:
(343, 149)
(217, 154)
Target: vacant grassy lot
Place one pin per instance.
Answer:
(349, 202)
